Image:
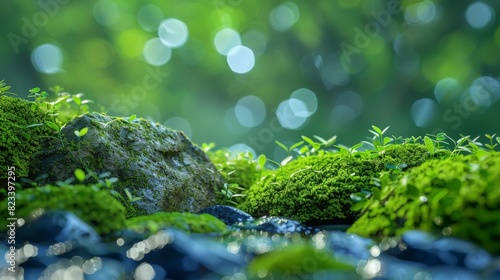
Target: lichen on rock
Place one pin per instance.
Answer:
(317, 189)
(457, 196)
(157, 164)
(95, 206)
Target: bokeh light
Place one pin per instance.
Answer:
(448, 90)
(149, 17)
(479, 15)
(226, 39)
(180, 124)
(287, 116)
(420, 13)
(284, 16)
(241, 59)
(423, 111)
(255, 40)
(308, 104)
(173, 33)
(250, 111)
(106, 12)
(47, 58)
(485, 91)
(351, 99)
(156, 53)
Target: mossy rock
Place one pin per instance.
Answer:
(188, 222)
(96, 207)
(317, 189)
(457, 196)
(18, 144)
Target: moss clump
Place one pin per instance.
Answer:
(318, 188)
(457, 196)
(96, 207)
(18, 144)
(297, 261)
(188, 222)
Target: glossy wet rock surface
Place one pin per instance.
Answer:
(59, 244)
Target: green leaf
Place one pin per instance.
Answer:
(281, 145)
(357, 197)
(77, 100)
(131, 118)
(357, 146)
(286, 160)
(413, 191)
(429, 144)
(376, 194)
(262, 160)
(308, 140)
(82, 132)
(378, 130)
(385, 129)
(79, 174)
(52, 125)
(33, 125)
(296, 145)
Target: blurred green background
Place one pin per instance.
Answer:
(247, 72)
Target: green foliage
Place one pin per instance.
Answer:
(297, 261)
(457, 196)
(19, 143)
(4, 88)
(188, 222)
(239, 171)
(95, 206)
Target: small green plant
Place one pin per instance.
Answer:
(80, 133)
(38, 95)
(4, 88)
(379, 142)
(491, 145)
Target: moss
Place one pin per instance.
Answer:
(457, 196)
(318, 188)
(188, 222)
(18, 144)
(297, 261)
(96, 207)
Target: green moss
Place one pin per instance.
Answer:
(297, 261)
(18, 144)
(318, 188)
(188, 222)
(457, 196)
(96, 207)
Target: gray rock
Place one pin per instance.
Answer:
(158, 164)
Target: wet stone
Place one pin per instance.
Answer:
(229, 215)
(277, 225)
